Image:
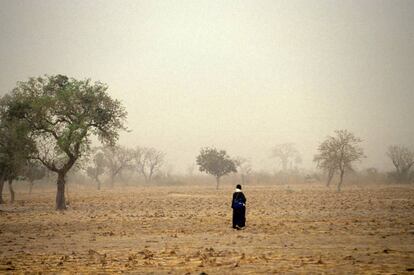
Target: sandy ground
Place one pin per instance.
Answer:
(183, 230)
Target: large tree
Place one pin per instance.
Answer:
(148, 161)
(403, 160)
(64, 113)
(215, 162)
(16, 143)
(337, 153)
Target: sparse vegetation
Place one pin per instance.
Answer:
(16, 143)
(287, 154)
(97, 167)
(215, 162)
(116, 159)
(33, 171)
(337, 153)
(403, 160)
(147, 162)
(89, 188)
(63, 113)
(244, 168)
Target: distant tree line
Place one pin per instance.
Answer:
(47, 125)
(114, 160)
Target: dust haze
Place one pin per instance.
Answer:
(243, 76)
(307, 104)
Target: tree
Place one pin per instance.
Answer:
(403, 160)
(97, 168)
(117, 159)
(287, 154)
(337, 153)
(16, 143)
(64, 113)
(326, 160)
(148, 161)
(216, 163)
(33, 171)
(245, 168)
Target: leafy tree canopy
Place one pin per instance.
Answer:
(64, 113)
(215, 162)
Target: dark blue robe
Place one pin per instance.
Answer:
(239, 214)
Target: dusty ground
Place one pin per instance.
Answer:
(188, 230)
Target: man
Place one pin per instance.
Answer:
(238, 204)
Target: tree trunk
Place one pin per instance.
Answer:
(99, 183)
(145, 177)
(11, 190)
(60, 195)
(403, 176)
(330, 176)
(340, 181)
(1, 188)
(121, 176)
(218, 182)
(67, 193)
(31, 183)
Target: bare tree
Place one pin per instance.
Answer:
(244, 168)
(148, 161)
(403, 160)
(287, 154)
(337, 153)
(97, 167)
(117, 158)
(326, 159)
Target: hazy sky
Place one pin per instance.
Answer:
(238, 75)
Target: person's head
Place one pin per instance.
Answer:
(238, 186)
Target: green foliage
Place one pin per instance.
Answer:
(216, 163)
(63, 114)
(16, 144)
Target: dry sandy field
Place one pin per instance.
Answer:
(187, 230)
